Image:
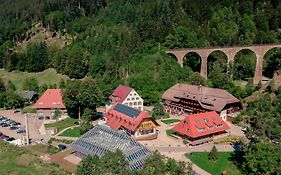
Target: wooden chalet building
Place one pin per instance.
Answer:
(201, 128)
(50, 102)
(136, 123)
(191, 99)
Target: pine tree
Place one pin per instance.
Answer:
(213, 155)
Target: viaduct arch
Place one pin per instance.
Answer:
(230, 52)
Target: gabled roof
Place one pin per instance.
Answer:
(207, 122)
(27, 94)
(102, 139)
(121, 115)
(120, 94)
(52, 98)
(209, 98)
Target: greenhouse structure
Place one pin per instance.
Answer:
(102, 139)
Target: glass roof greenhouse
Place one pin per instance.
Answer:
(102, 139)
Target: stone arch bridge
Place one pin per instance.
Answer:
(230, 52)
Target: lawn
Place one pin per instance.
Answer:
(49, 76)
(217, 167)
(60, 125)
(19, 161)
(72, 132)
(170, 131)
(170, 121)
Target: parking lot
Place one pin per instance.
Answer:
(33, 126)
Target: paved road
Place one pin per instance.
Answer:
(200, 148)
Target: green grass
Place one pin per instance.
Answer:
(166, 115)
(170, 121)
(41, 149)
(240, 83)
(19, 161)
(170, 131)
(60, 125)
(49, 76)
(73, 132)
(217, 167)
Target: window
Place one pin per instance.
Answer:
(128, 99)
(135, 94)
(133, 98)
(139, 103)
(130, 104)
(219, 125)
(126, 103)
(187, 130)
(137, 98)
(185, 122)
(206, 120)
(201, 129)
(211, 127)
(135, 103)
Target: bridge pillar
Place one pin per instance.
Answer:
(179, 55)
(259, 63)
(204, 62)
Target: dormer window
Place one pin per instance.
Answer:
(40, 103)
(185, 122)
(187, 130)
(206, 120)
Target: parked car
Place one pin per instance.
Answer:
(5, 125)
(14, 128)
(2, 118)
(11, 139)
(16, 111)
(61, 147)
(17, 124)
(2, 137)
(21, 131)
(6, 138)
(10, 121)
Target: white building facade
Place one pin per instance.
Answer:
(128, 97)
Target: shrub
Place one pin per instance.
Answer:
(213, 155)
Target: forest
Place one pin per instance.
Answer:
(116, 42)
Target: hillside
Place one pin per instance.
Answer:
(124, 42)
(18, 161)
(38, 33)
(49, 77)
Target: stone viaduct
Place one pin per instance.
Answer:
(230, 52)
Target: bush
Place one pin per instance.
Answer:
(213, 155)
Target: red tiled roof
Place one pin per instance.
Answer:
(209, 98)
(191, 124)
(120, 94)
(116, 119)
(51, 98)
